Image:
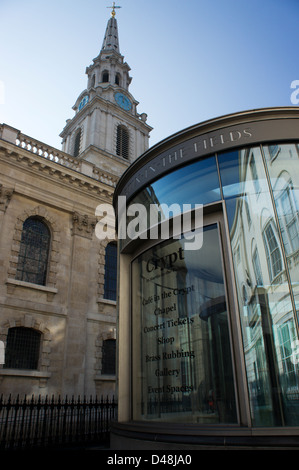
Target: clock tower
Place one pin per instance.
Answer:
(107, 129)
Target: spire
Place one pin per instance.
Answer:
(110, 42)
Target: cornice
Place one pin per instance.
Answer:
(13, 155)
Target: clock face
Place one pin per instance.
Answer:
(123, 101)
(83, 102)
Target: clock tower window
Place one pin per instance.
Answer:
(122, 142)
(117, 79)
(105, 76)
(77, 143)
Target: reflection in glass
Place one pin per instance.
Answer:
(265, 304)
(282, 165)
(182, 369)
(196, 183)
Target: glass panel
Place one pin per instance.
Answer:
(263, 291)
(282, 163)
(196, 183)
(182, 368)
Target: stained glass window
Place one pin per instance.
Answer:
(22, 348)
(34, 252)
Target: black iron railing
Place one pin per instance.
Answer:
(49, 422)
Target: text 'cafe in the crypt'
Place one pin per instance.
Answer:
(208, 317)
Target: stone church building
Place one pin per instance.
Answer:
(57, 279)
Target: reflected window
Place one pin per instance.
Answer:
(247, 209)
(288, 220)
(254, 174)
(34, 252)
(286, 335)
(257, 268)
(273, 151)
(272, 251)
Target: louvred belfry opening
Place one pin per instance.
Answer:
(122, 142)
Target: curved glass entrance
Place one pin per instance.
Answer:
(210, 334)
(182, 363)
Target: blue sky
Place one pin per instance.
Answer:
(190, 60)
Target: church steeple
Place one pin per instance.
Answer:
(107, 130)
(109, 66)
(111, 42)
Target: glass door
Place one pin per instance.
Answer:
(181, 349)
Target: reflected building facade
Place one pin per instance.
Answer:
(263, 217)
(208, 339)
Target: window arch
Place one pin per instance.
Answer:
(110, 271)
(22, 348)
(109, 357)
(122, 142)
(77, 143)
(34, 252)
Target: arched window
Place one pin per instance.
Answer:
(34, 252)
(273, 253)
(93, 80)
(105, 76)
(110, 271)
(122, 142)
(22, 348)
(77, 143)
(288, 218)
(109, 357)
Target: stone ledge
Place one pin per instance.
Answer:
(13, 283)
(105, 378)
(106, 301)
(25, 373)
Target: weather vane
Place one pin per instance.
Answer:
(113, 9)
